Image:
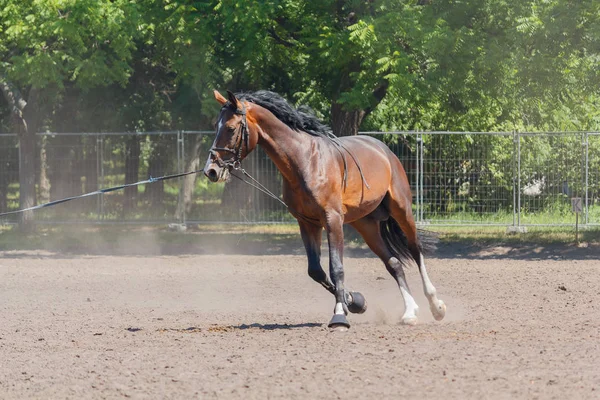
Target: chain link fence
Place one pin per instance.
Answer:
(466, 178)
(457, 178)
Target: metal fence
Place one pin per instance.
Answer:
(457, 178)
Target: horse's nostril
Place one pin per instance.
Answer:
(212, 174)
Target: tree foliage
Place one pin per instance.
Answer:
(472, 64)
(466, 65)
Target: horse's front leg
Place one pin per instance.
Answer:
(311, 236)
(335, 238)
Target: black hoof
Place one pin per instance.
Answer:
(359, 304)
(339, 321)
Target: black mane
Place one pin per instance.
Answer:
(301, 119)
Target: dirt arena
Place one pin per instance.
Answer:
(521, 324)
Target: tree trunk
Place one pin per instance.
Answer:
(44, 182)
(345, 123)
(157, 166)
(91, 167)
(27, 153)
(132, 169)
(26, 176)
(90, 173)
(237, 196)
(3, 188)
(192, 163)
(78, 173)
(8, 169)
(242, 200)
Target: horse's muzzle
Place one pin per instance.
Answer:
(211, 174)
(215, 173)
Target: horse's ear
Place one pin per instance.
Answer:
(233, 99)
(222, 100)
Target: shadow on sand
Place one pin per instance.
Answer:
(228, 328)
(274, 327)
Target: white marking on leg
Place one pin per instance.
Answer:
(339, 309)
(427, 285)
(437, 307)
(411, 309)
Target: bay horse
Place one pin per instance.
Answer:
(328, 182)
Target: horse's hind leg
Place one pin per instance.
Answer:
(311, 236)
(399, 207)
(369, 229)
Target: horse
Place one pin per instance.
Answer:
(328, 182)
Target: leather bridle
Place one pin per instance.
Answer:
(235, 163)
(242, 138)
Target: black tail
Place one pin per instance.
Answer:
(396, 241)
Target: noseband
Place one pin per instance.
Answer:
(242, 138)
(235, 162)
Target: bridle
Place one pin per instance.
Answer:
(235, 163)
(242, 138)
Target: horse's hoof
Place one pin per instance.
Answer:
(339, 323)
(339, 328)
(359, 304)
(409, 320)
(439, 311)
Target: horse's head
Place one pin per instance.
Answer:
(235, 138)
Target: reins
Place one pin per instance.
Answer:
(235, 163)
(101, 191)
(262, 188)
(232, 164)
(257, 185)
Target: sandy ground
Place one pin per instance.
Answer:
(520, 324)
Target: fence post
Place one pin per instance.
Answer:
(587, 169)
(98, 176)
(183, 161)
(100, 173)
(418, 177)
(180, 161)
(514, 178)
(519, 179)
(422, 167)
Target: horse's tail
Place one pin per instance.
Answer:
(397, 243)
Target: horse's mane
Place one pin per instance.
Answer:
(300, 119)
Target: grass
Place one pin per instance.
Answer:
(479, 234)
(548, 215)
(251, 239)
(498, 235)
(268, 229)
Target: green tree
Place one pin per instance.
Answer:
(48, 45)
